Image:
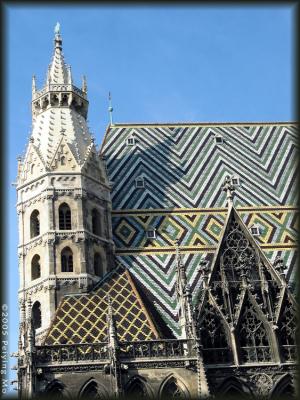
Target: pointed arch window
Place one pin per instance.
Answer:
(62, 160)
(136, 389)
(36, 315)
(253, 337)
(55, 389)
(67, 260)
(34, 224)
(35, 267)
(239, 257)
(216, 349)
(172, 390)
(64, 217)
(98, 268)
(32, 169)
(96, 222)
(91, 391)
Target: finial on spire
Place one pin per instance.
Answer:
(57, 39)
(228, 187)
(69, 74)
(33, 84)
(110, 109)
(84, 85)
(57, 28)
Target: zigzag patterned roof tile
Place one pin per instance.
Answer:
(183, 169)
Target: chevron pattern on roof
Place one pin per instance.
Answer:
(183, 169)
(183, 166)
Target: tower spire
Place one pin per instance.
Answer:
(58, 71)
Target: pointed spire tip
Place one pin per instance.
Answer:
(57, 28)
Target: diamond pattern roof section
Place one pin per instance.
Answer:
(82, 318)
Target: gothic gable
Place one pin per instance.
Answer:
(244, 299)
(63, 159)
(92, 165)
(33, 165)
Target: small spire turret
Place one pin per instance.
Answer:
(84, 85)
(228, 187)
(110, 109)
(33, 85)
(186, 318)
(70, 79)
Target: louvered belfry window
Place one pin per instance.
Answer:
(67, 260)
(37, 315)
(65, 217)
(34, 224)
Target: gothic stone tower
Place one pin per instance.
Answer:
(63, 198)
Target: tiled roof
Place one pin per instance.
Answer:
(82, 318)
(183, 169)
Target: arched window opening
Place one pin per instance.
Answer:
(32, 168)
(98, 268)
(284, 387)
(239, 257)
(90, 391)
(62, 160)
(288, 332)
(55, 389)
(34, 224)
(213, 337)
(136, 389)
(36, 267)
(67, 260)
(64, 217)
(96, 222)
(172, 390)
(64, 100)
(36, 315)
(233, 388)
(253, 338)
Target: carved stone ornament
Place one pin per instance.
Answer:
(263, 383)
(161, 364)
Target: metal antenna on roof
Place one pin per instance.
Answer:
(110, 109)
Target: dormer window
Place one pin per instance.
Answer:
(219, 139)
(235, 181)
(151, 234)
(140, 182)
(131, 141)
(255, 231)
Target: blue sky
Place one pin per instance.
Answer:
(161, 64)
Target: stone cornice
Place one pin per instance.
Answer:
(52, 237)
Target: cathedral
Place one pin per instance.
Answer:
(161, 265)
